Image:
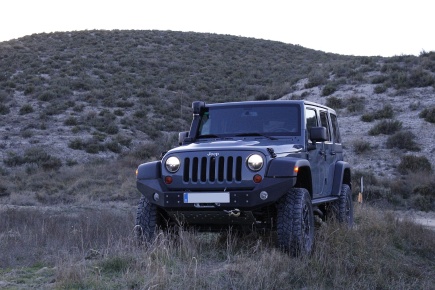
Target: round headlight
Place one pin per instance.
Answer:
(172, 164)
(255, 162)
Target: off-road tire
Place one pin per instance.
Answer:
(343, 207)
(147, 220)
(295, 222)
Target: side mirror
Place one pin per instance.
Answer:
(182, 136)
(318, 134)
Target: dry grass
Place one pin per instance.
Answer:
(94, 248)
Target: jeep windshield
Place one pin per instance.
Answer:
(250, 120)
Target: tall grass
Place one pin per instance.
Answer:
(94, 248)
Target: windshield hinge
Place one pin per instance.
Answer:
(271, 152)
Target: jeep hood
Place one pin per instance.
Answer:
(279, 146)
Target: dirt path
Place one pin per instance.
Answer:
(427, 219)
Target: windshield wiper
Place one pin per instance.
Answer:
(255, 134)
(208, 136)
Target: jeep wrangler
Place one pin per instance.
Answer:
(270, 165)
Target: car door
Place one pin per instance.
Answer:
(315, 154)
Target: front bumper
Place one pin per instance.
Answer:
(240, 198)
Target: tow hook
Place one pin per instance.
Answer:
(234, 212)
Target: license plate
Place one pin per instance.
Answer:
(206, 197)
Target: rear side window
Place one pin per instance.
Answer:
(336, 132)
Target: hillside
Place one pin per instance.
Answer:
(68, 99)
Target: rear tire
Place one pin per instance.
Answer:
(295, 222)
(343, 207)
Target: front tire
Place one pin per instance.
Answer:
(147, 220)
(295, 222)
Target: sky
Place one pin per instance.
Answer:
(348, 27)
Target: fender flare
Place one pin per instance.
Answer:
(285, 167)
(149, 170)
(342, 175)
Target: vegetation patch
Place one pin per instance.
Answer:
(387, 127)
(428, 114)
(403, 140)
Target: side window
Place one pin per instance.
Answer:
(311, 119)
(324, 123)
(337, 137)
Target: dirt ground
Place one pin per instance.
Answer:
(427, 219)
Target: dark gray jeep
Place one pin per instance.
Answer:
(270, 165)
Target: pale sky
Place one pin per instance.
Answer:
(369, 27)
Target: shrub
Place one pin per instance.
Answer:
(335, 103)
(387, 112)
(26, 109)
(428, 114)
(361, 146)
(379, 79)
(329, 89)
(386, 127)
(71, 121)
(403, 140)
(413, 163)
(355, 104)
(380, 89)
(4, 110)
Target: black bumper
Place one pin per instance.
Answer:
(240, 198)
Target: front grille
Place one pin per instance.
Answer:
(212, 169)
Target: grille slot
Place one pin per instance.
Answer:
(212, 169)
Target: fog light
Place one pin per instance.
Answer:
(264, 195)
(156, 196)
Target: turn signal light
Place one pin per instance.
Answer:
(168, 179)
(257, 178)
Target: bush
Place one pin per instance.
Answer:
(355, 104)
(386, 127)
(403, 140)
(380, 89)
(413, 163)
(428, 114)
(329, 89)
(26, 109)
(4, 110)
(36, 156)
(387, 112)
(361, 146)
(335, 103)
(71, 121)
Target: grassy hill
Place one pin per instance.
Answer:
(71, 103)
(80, 110)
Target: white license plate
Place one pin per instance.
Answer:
(206, 197)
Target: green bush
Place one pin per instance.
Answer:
(413, 163)
(380, 89)
(387, 112)
(71, 121)
(386, 127)
(428, 114)
(26, 109)
(36, 156)
(361, 146)
(334, 102)
(403, 140)
(329, 89)
(4, 110)
(355, 104)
